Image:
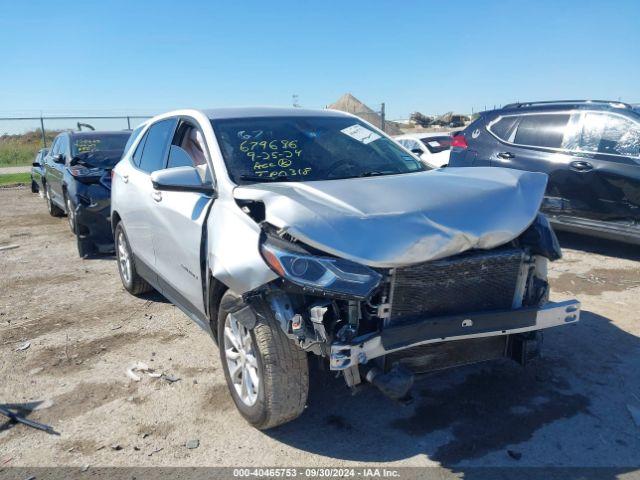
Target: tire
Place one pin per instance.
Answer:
(34, 186)
(54, 210)
(132, 282)
(71, 214)
(280, 366)
(85, 247)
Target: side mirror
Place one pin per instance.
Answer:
(35, 164)
(417, 151)
(181, 179)
(59, 158)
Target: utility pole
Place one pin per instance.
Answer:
(382, 115)
(44, 138)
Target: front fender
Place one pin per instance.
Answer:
(233, 245)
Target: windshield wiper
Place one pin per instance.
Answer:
(374, 173)
(258, 178)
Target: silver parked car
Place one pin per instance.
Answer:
(293, 234)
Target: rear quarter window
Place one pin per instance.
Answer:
(504, 128)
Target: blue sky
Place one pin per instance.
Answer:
(151, 56)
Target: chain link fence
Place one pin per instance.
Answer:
(22, 137)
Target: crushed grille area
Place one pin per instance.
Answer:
(452, 286)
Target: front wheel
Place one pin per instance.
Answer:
(131, 281)
(71, 214)
(267, 374)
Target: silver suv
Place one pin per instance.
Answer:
(291, 234)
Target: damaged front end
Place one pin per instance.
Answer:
(380, 323)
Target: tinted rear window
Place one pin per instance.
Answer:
(437, 144)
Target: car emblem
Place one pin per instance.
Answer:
(475, 133)
(467, 322)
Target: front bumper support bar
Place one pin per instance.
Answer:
(451, 328)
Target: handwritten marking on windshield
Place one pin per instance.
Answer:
(272, 158)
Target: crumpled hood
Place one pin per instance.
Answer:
(395, 220)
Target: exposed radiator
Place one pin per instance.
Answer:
(471, 282)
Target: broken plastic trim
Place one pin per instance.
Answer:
(541, 239)
(367, 347)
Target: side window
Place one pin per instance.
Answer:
(137, 155)
(610, 134)
(54, 147)
(505, 128)
(155, 147)
(544, 130)
(411, 144)
(132, 138)
(187, 148)
(63, 147)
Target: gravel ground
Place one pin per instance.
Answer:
(573, 407)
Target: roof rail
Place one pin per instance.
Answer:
(567, 102)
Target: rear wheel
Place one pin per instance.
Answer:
(54, 210)
(267, 374)
(131, 281)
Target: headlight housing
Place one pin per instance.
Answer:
(328, 274)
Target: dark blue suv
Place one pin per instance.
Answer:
(77, 182)
(589, 149)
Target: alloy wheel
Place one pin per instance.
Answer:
(124, 259)
(48, 197)
(71, 215)
(242, 361)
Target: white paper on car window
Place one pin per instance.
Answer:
(434, 144)
(360, 133)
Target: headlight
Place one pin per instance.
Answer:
(323, 273)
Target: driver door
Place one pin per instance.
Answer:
(178, 220)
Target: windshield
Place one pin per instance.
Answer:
(99, 149)
(307, 148)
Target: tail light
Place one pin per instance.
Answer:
(459, 141)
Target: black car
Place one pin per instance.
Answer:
(589, 149)
(77, 182)
(37, 171)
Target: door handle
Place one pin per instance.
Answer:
(157, 196)
(580, 166)
(125, 178)
(506, 155)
